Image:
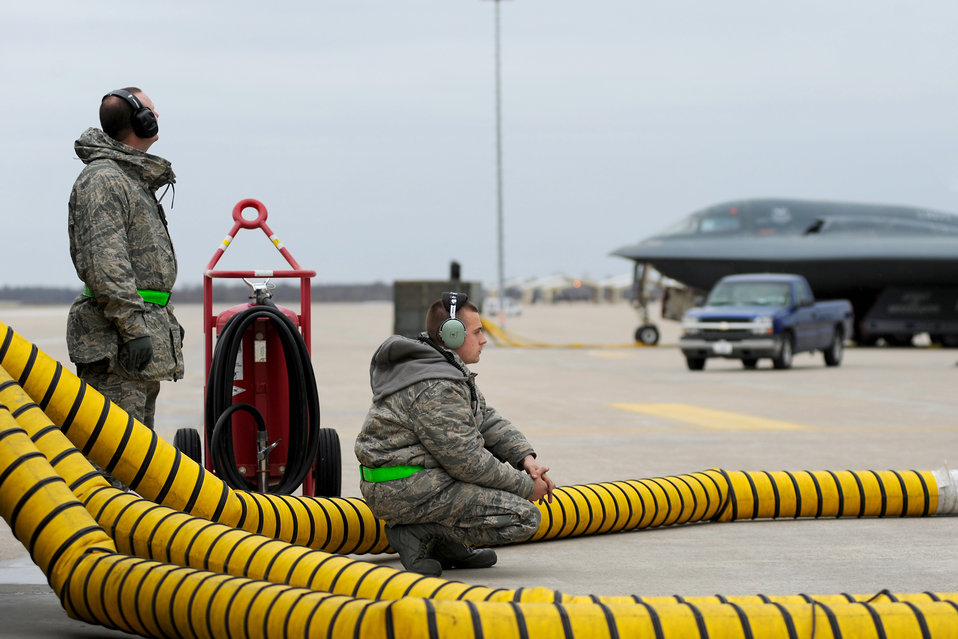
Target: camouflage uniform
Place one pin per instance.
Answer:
(119, 243)
(427, 411)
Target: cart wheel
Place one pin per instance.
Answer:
(328, 469)
(187, 441)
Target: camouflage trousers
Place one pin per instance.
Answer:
(471, 514)
(136, 397)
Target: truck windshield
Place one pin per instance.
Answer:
(751, 294)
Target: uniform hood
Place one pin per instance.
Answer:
(94, 145)
(400, 362)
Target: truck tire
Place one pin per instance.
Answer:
(833, 354)
(750, 363)
(695, 363)
(784, 359)
(328, 469)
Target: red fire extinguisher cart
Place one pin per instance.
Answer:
(261, 405)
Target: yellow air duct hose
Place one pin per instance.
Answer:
(898, 493)
(158, 599)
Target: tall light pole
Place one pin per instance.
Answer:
(502, 289)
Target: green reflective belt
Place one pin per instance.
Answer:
(388, 473)
(160, 298)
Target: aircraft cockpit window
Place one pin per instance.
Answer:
(719, 225)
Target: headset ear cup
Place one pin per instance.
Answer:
(452, 332)
(144, 123)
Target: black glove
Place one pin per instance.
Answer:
(136, 354)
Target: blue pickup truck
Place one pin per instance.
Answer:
(749, 317)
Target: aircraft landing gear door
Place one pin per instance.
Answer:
(647, 333)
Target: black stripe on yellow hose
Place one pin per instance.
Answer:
(211, 602)
(388, 618)
(556, 526)
(798, 495)
(786, 617)
(74, 408)
(7, 384)
(170, 478)
(476, 620)
(98, 427)
(653, 616)
(697, 614)
(28, 367)
(192, 602)
(924, 487)
(362, 578)
(147, 461)
(12, 430)
(261, 543)
(575, 506)
(382, 586)
(43, 523)
(344, 539)
(7, 338)
(876, 620)
(13, 467)
(603, 516)
(742, 617)
(278, 521)
(904, 494)
(197, 489)
(521, 627)
(431, 618)
(247, 625)
(51, 389)
(841, 494)
(134, 527)
(121, 448)
(196, 536)
(160, 525)
(223, 532)
(224, 495)
(292, 615)
(120, 592)
(920, 618)
(668, 499)
(829, 614)
(111, 567)
(754, 490)
(861, 494)
(819, 497)
(723, 504)
(22, 408)
(695, 500)
(776, 496)
(229, 607)
(641, 510)
(625, 499)
(331, 624)
(681, 509)
(884, 497)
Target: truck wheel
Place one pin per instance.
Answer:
(833, 354)
(187, 441)
(695, 363)
(750, 362)
(647, 334)
(784, 359)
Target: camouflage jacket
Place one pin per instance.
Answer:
(119, 243)
(427, 411)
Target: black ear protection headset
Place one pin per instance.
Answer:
(143, 120)
(452, 331)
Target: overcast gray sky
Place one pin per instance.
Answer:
(368, 128)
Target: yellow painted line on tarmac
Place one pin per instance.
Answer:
(709, 417)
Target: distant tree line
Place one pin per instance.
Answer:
(223, 293)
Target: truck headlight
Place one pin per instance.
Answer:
(763, 325)
(690, 327)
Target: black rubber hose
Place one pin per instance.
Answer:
(303, 431)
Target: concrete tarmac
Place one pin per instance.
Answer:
(597, 412)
